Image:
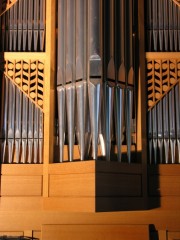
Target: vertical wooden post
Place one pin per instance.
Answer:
(142, 98)
(49, 91)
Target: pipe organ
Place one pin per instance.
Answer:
(96, 78)
(90, 113)
(163, 40)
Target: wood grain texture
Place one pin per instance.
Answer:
(69, 204)
(11, 234)
(164, 185)
(18, 203)
(72, 167)
(173, 235)
(164, 180)
(22, 169)
(21, 186)
(79, 185)
(164, 169)
(92, 232)
(163, 71)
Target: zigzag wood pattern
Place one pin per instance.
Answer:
(162, 76)
(28, 77)
(5, 5)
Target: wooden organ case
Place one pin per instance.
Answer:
(88, 91)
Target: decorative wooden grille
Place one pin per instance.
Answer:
(177, 2)
(162, 75)
(5, 5)
(27, 76)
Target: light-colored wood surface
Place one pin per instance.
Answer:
(22, 169)
(164, 169)
(92, 232)
(162, 235)
(49, 100)
(75, 185)
(72, 167)
(32, 196)
(11, 234)
(164, 185)
(162, 75)
(173, 235)
(70, 204)
(164, 180)
(18, 203)
(21, 186)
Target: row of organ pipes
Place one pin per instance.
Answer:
(96, 81)
(163, 35)
(162, 26)
(22, 28)
(21, 126)
(96, 77)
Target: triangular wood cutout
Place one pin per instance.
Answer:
(28, 76)
(177, 2)
(5, 5)
(162, 76)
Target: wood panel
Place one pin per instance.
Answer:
(164, 185)
(119, 186)
(165, 202)
(72, 185)
(173, 235)
(118, 167)
(11, 234)
(21, 185)
(112, 204)
(72, 167)
(164, 169)
(92, 232)
(22, 169)
(37, 235)
(164, 180)
(69, 204)
(110, 184)
(18, 203)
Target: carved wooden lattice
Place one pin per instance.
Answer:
(177, 2)
(5, 5)
(28, 76)
(162, 75)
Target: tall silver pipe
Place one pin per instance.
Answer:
(70, 75)
(172, 124)
(24, 128)
(30, 131)
(177, 108)
(81, 77)
(94, 69)
(4, 117)
(121, 75)
(61, 75)
(11, 121)
(154, 133)
(18, 115)
(160, 130)
(166, 127)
